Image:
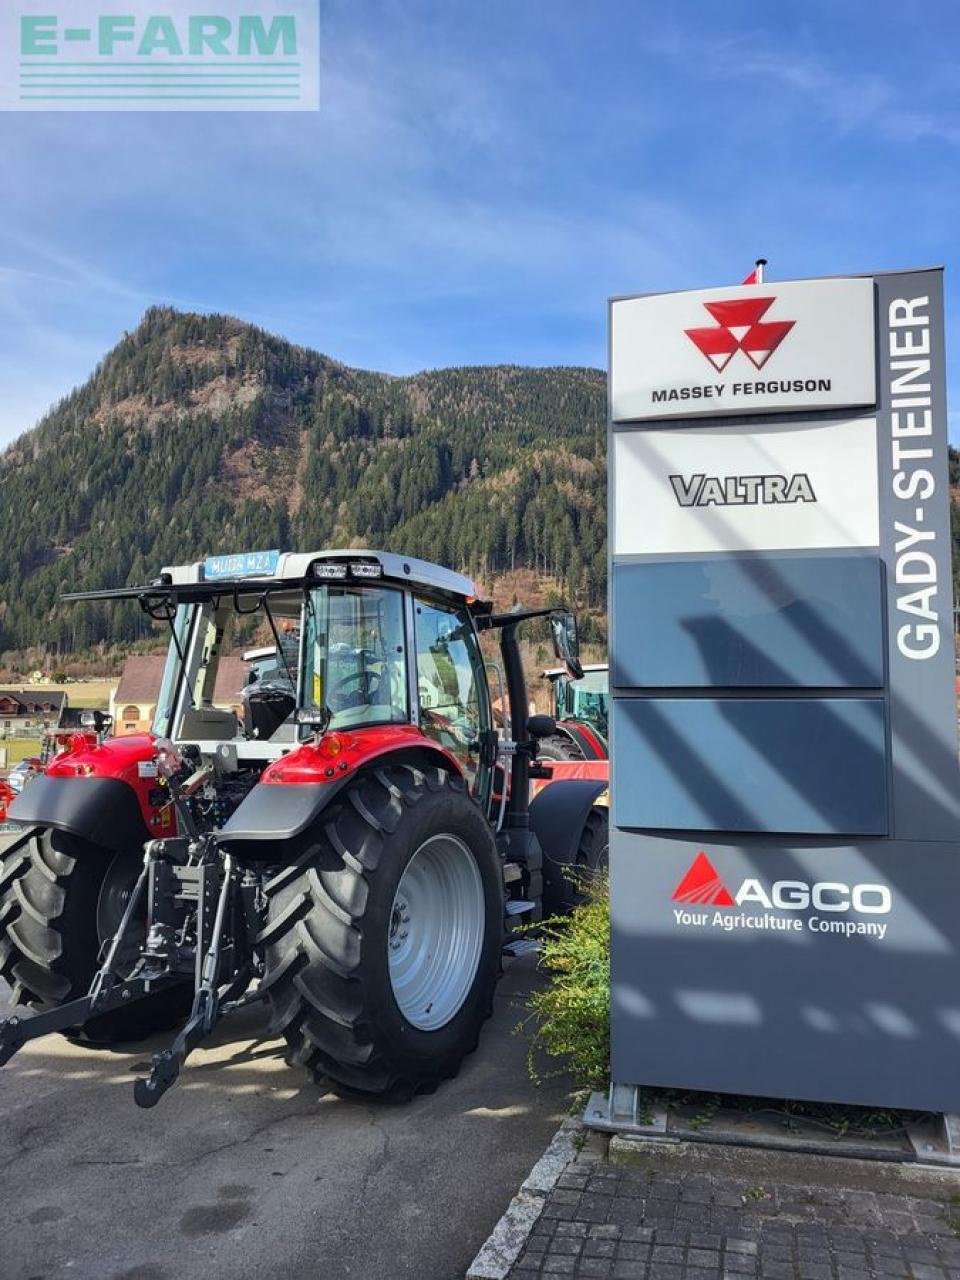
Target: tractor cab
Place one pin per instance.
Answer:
(360, 640)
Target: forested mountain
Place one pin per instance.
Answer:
(202, 433)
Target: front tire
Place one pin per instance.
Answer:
(61, 899)
(382, 943)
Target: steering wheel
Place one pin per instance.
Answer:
(343, 694)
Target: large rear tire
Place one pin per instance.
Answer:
(382, 943)
(565, 885)
(61, 899)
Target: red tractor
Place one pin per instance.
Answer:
(354, 851)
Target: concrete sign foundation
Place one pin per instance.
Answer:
(785, 850)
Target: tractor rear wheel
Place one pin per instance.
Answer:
(565, 884)
(61, 899)
(382, 942)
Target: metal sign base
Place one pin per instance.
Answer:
(623, 1110)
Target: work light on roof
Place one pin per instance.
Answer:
(329, 569)
(366, 569)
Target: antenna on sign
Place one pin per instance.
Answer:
(760, 264)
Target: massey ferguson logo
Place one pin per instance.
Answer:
(740, 327)
(700, 490)
(826, 904)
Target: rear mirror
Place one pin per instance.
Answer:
(566, 643)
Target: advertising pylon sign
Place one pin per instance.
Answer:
(785, 848)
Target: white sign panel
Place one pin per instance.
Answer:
(803, 344)
(797, 486)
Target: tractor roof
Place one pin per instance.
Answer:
(248, 572)
(298, 566)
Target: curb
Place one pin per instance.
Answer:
(502, 1247)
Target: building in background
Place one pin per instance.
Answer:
(22, 710)
(133, 703)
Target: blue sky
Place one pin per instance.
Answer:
(480, 177)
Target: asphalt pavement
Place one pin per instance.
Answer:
(246, 1169)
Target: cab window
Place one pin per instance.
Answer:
(355, 655)
(450, 683)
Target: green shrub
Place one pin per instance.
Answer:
(572, 1014)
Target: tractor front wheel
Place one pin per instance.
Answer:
(382, 942)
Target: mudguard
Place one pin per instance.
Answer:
(104, 811)
(558, 814)
(295, 790)
(271, 813)
(585, 737)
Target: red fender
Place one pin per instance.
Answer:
(340, 753)
(131, 758)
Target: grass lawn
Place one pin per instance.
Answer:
(19, 748)
(94, 694)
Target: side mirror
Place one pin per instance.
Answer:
(566, 643)
(541, 727)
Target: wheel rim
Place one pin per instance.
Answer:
(115, 891)
(436, 932)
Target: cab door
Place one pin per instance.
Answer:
(452, 692)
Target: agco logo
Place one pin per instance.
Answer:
(702, 886)
(740, 327)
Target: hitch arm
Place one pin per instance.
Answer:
(17, 1031)
(166, 1065)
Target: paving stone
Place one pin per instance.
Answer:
(600, 1248)
(734, 1245)
(703, 1257)
(565, 1244)
(559, 1266)
(776, 1270)
(664, 1271)
(594, 1267)
(628, 1271)
(666, 1253)
(918, 1253)
(744, 1263)
(856, 1261)
(775, 1252)
(633, 1252)
(637, 1234)
(605, 1232)
(576, 1181)
(924, 1271)
(884, 1265)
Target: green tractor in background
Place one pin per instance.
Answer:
(581, 710)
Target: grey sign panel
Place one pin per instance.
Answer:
(798, 1002)
(812, 765)
(807, 620)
